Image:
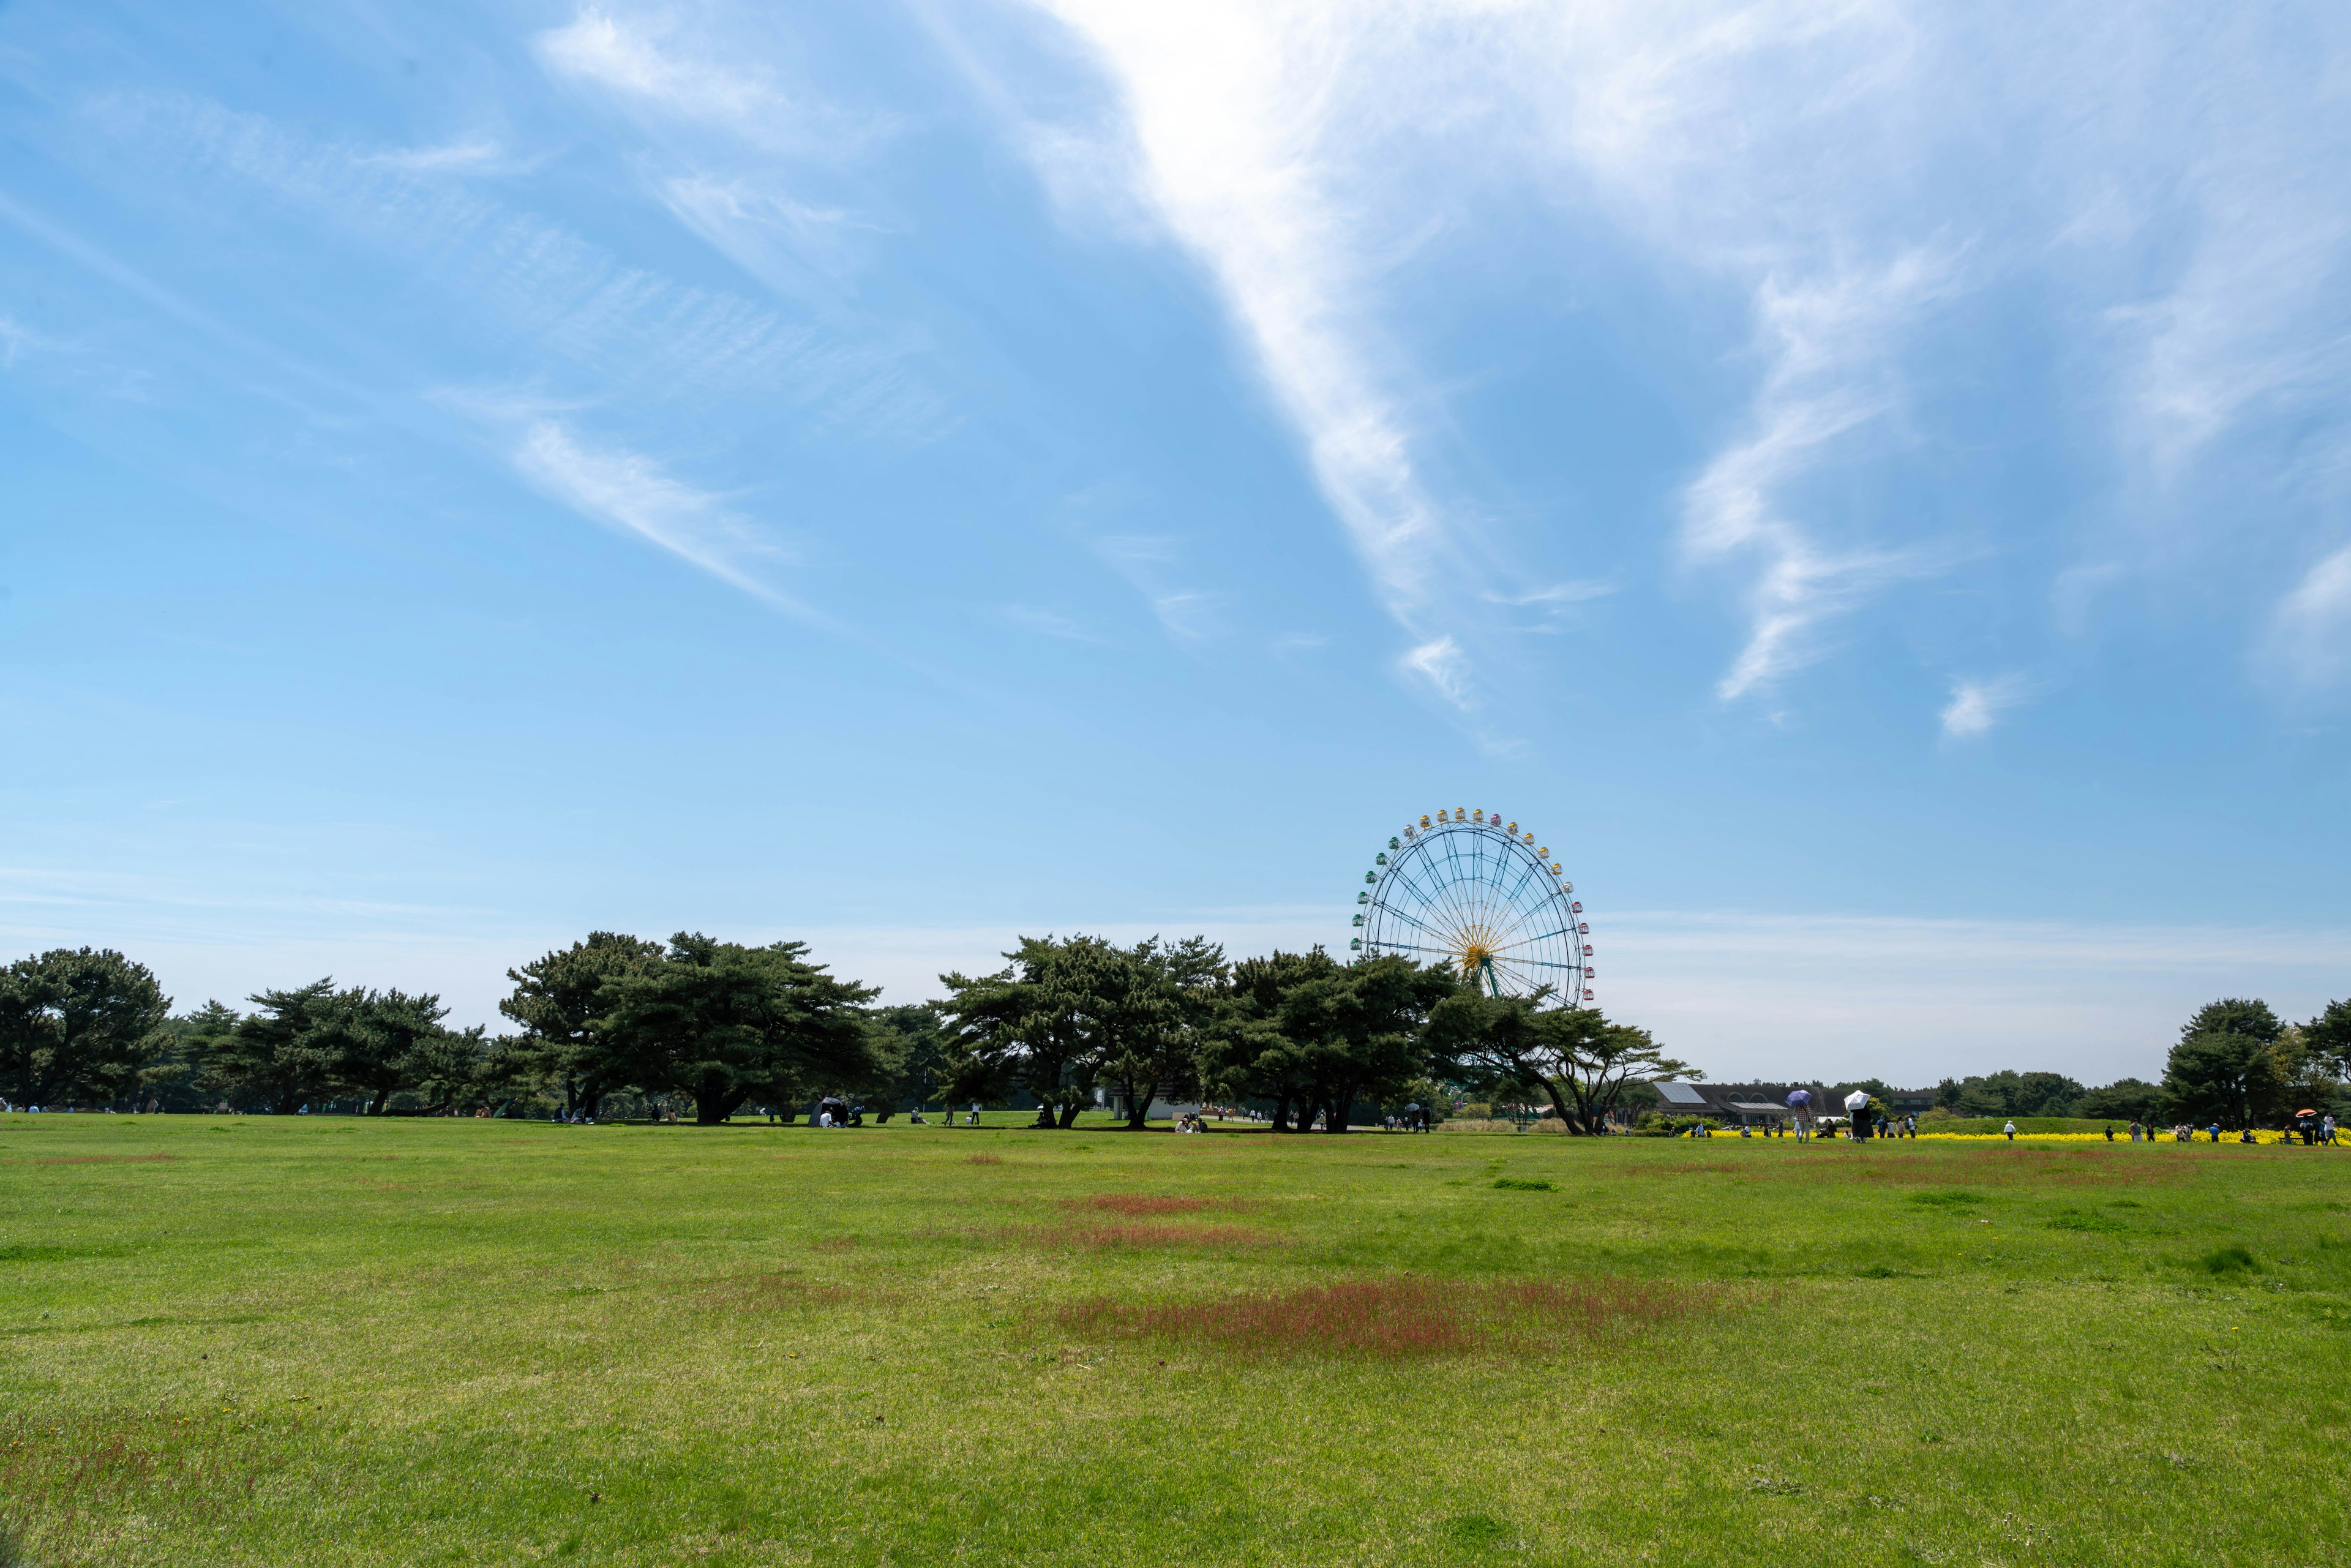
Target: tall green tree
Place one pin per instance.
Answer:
(1244, 1054)
(388, 1039)
(288, 1050)
(2226, 1066)
(1358, 1032)
(448, 1069)
(723, 1022)
(560, 1001)
(1578, 1059)
(79, 1024)
(2329, 1036)
(2234, 1015)
(2227, 1078)
(1033, 1025)
(1153, 1002)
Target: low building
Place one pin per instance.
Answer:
(1739, 1104)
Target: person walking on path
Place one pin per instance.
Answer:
(2011, 1131)
(2110, 1132)
(2133, 1131)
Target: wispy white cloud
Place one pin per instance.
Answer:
(1233, 118)
(2170, 175)
(2309, 642)
(451, 158)
(1828, 344)
(1976, 705)
(534, 283)
(17, 339)
(1439, 664)
(630, 492)
(643, 57)
(1051, 623)
(1152, 564)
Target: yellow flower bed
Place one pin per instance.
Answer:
(2120, 1137)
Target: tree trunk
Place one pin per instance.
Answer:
(1574, 1121)
(713, 1105)
(1342, 1103)
(1139, 1097)
(1281, 1115)
(376, 1105)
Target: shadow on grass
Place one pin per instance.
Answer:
(1403, 1317)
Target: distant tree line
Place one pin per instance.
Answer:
(2234, 1061)
(1067, 1023)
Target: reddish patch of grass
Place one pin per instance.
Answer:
(1111, 1234)
(983, 1159)
(1401, 1317)
(1144, 1203)
(105, 1159)
(833, 1243)
(1393, 1317)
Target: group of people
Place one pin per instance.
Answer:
(2312, 1128)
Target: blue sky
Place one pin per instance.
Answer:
(1867, 483)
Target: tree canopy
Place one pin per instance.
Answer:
(78, 1023)
(723, 1022)
(1572, 1056)
(559, 1000)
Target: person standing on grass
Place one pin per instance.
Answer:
(2110, 1132)
(2216, 1132)
(2010, 1131)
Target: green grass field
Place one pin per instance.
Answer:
(289, 1342)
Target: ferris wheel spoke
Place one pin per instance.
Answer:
(1533, 868)
(1414, 921)
(1411, 880)
(1483, 889)
(1523, 918)
(1456, 902)
(1544, 938)
(1508, 918)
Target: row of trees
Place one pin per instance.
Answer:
(1066, 1024)
(1302, 1032)
(2234, 1061)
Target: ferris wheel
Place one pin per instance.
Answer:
(1470, 891)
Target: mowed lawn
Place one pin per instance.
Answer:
(324, 1340)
